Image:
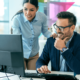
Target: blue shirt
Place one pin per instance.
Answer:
(62, 60)
(30, 32)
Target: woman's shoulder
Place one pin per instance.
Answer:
(18, 16)
(41, 14)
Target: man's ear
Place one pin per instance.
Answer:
(73, 27)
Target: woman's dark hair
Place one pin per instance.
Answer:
(67, 15)
(33, 2)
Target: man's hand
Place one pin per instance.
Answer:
(54, 35)
(43, 69)
(59, 44)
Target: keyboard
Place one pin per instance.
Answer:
(50, 76)
(33, 75)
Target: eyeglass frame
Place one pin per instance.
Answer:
(60, 27)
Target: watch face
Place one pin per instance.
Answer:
(63, 49)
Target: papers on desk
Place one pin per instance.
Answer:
(63, 73)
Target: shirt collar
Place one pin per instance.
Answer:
(25, 20)
(67, 44)
(36, 18)
(71, 37)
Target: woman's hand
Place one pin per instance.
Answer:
(54, 35)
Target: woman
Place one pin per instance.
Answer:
(30, 23)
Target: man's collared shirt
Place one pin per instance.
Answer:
(30, 32)
(62, 60)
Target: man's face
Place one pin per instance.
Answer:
(67, 32)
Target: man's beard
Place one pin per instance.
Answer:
(60, 35)
(64, 35)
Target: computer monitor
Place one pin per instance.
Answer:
(11, 54)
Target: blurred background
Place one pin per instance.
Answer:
(9, 7)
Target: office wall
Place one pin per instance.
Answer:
(14, 6)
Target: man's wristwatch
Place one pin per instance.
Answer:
(64, 49)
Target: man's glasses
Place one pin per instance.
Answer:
(60, 27)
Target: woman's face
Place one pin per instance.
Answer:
(29, 11)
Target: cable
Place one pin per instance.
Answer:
(20, 78)
(7, 77)
(31, 79)
(6, 73)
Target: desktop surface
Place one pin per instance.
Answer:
(15, 77)
(52, 75)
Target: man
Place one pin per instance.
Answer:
(64, 50)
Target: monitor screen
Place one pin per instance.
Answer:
(11, 54)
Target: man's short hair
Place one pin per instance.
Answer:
(67, 15)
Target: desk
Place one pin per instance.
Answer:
(16, 77)
(33, 79)
(78, 77)
(32, 71)
(52, 72)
